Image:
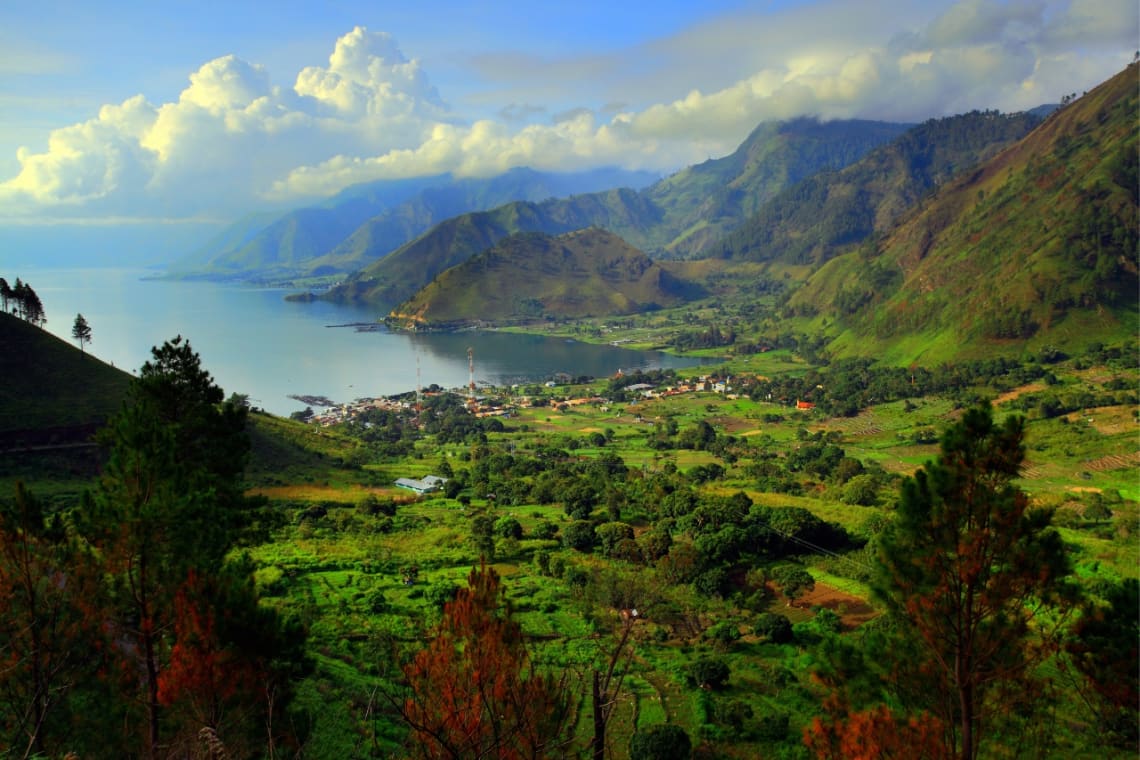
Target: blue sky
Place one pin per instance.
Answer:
(171, 112)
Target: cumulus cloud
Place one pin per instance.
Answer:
(229, 135)
(233, 138)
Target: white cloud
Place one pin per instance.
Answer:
(233, 139)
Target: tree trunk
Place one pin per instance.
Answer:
(599, 742)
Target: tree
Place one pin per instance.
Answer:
(230, 663)
(876, 733)
(794, 581)
(169, 502)
(966, 565)
(579, 535)
(774, 628)
(665, 741)
(474, 691)
(81, 331)
(5, 294)
(47, 639)
(709, 673)
(1104, 647)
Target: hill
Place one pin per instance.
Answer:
(674, 218)
(51, 387)
(527, 276)
(1037, 246)
(817, 218)
(366, 222)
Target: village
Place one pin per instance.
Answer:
(492, 401)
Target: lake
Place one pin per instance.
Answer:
(255, 342)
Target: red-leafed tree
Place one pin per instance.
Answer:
(474, 691)
(48, 641)
(229, 663)
(966, 567)
(876, 734)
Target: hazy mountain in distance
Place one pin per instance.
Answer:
(365, 222)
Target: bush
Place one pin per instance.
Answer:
(724, 634)
(861, 490)
(546, 530)
(775, 628)
(708, 673)
(579, 535)
(664, 741)
(508, 527)
(440, 593)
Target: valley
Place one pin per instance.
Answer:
(883, 504)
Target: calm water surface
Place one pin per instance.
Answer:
(253, 341)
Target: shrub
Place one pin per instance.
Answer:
(546, 530)
(724, 634)
(579, 535)
(508, 527)
(440, 593)
(775, 628)
(664, 741)
(708, 673)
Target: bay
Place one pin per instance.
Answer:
(255, 342)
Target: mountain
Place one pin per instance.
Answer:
(676, 217)
(815, 219)
(1037, 247)
(51, 386)
(365, 222)
(527, 276)
(698, 205)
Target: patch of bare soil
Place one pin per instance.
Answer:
(852, 610)
(1019, 391)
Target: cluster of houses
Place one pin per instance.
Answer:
(334, 415)
(490, 406)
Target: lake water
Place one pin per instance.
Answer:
(253, 341)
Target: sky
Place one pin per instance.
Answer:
(142, 113)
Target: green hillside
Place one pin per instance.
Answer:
(49, 383)
(674, 218)
(524, 277)
(702, 203)
(1036, 247)
(830, 211)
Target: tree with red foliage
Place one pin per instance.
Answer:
(965, 567)
(47, 639)
(876, 734)
(474, 691)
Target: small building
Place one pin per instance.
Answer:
(428, 484)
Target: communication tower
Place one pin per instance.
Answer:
(471, 373)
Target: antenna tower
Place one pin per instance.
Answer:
(419, 381)
(471, 373)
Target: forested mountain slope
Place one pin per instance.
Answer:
(1039, 244)
(674, 218)
(819, 217)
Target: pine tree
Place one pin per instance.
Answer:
(169, 503)
(966, 566)
(81, 331)
(474, 691)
